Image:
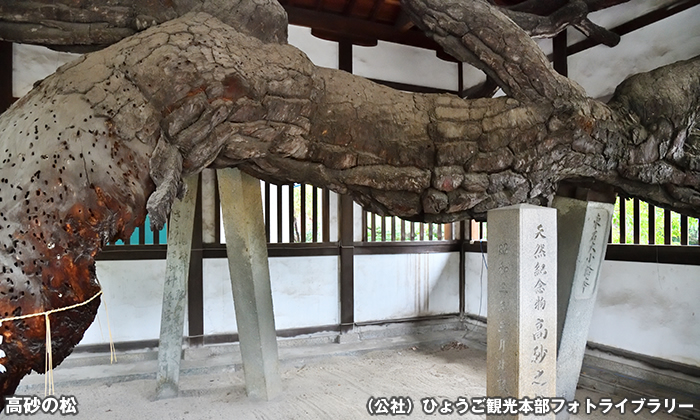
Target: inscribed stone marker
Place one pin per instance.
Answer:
(581, 253)
(521, 327)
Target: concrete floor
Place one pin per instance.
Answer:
(322, 380)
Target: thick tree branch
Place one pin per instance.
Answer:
(547, 7)
(417, 156)
(480, 34)
(93, 145)
(573, 13)
(660, 113)
(94, 24)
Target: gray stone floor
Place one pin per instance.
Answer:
(322, 380)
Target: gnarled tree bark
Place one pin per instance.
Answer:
(113, 133)
(91, 25)
(94, 24)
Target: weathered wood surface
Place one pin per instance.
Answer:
(88, 25)
(94, 145)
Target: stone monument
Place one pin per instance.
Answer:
(582, 247)
(522, 310)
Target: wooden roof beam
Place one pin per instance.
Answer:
(348, 7)
(403, 22)
(637, 23)
(375, 9)
(339, 24)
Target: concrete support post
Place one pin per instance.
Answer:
(582, 247)
(246, 246)
(175, 292)
(521, 328)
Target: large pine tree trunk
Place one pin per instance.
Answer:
(91, 147)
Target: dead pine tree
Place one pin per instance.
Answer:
(172, 89)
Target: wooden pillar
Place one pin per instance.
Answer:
(6, 96)
(560, 57)
(347, 248)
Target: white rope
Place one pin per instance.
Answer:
(49, 388)
(77, 305)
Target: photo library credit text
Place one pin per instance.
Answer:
(27, 405)
(396, 406)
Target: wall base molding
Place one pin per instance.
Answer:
(613, 372)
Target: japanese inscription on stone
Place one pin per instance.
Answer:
(542, 323)
(593, 239)
(521, 328)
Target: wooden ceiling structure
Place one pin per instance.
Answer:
(364, 22)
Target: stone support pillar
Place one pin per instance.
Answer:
(172, 320)
(246, 246)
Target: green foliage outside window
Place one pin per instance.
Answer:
(659, 225)
(412, 230)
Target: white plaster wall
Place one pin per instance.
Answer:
(404, 64)
(31, 63)
(321, 52)
(304, 293)
(476, 275)
(651, 309)
(600, 69)
(402, 286)
(133, 291)
(645, 308)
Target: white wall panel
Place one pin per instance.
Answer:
(321, 52)
(404, 64)
(304, 293)
(133, 291)
(651, 309)
(31, 63)
(401, 286)
(475, 265)
(600, 69)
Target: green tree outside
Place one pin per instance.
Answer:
(659, 225)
